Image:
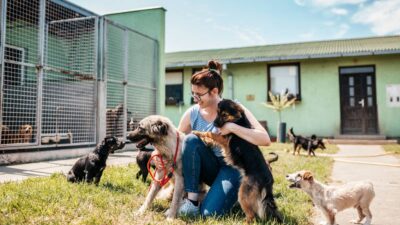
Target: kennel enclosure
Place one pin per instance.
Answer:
(69, 76)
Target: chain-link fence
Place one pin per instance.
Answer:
(50, 58)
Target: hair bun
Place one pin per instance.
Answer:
(214, 65)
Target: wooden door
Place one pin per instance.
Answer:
(358, 100)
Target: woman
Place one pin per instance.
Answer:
(204, 165)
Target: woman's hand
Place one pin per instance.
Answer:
(227, 128)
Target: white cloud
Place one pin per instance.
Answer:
(300, 2)
(339, 11)
(246, 35)
(382, 16)
(328, 3)
(343, 28)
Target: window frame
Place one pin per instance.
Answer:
(269, 66)
(19, 63)
(194, 70)
(181, 102)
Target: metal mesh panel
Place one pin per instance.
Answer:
(69, 81)
(19, 93)
(22, 27)
(141, 102)
(141, 94)
(115, 76)
(130, 55)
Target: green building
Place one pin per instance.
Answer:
(344, 88)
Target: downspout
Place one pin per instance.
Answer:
(229, 94)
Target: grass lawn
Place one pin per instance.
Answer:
(52, 200)
(392, 149)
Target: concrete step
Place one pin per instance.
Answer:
(361, 137)
(362, 141)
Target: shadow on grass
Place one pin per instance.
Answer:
(115, 188)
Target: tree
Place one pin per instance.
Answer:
(278, 103)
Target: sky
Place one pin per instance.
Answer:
(213, 24)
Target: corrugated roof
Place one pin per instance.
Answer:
(291, 51)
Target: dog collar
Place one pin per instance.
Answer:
(167, 176)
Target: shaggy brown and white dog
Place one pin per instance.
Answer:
(167, 140)
(333, 199)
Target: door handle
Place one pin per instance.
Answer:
(361, 102)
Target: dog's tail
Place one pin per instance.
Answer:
(270, 208)
(291, 133)
(273, 159)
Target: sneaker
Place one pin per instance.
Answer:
(188, 209)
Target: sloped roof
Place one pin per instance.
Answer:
(291, 51)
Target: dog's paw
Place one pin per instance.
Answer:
(198, 133)
(140, 211)
(170, 216)
(166, 213)
(323, 223)
(355, 221)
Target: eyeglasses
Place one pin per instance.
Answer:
(198, 96)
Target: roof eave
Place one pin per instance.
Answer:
(282, 58)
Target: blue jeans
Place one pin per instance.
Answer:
(200, 165)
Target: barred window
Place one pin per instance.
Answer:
(13, 70)
(174, 87)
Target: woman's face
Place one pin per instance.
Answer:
(202, 95)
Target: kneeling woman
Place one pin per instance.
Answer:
(202, 164)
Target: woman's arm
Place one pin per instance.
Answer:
(256, 136)
(184, 124)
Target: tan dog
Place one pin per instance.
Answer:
(24, 135)
(333, 199)
(160, 132)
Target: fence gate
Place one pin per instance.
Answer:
(69, 81)
(131, 61)
(19, 76)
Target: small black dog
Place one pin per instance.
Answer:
(308, 144)
(90, 167)
(255, 193)
(142, 159)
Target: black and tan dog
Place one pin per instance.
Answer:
(90, 167)
(308, 144)
(255, 193)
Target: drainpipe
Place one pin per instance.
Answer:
(229, 82)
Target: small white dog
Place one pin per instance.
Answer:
(333, 199)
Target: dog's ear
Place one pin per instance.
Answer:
(308, 176)
(160, 128)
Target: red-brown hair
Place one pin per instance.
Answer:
(209, 77)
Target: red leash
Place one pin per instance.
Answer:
(167, 176)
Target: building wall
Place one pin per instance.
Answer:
(318, 112)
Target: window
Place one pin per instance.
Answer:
(194, 70)
(284, 77)
(174, 87)
(13, 70)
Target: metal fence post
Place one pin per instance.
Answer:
(102, 81)
(125, 82)
(39, 68)
(3, 22)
